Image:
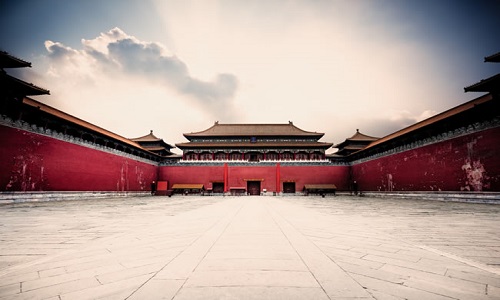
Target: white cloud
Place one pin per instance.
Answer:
(115, 55)
(116, 78)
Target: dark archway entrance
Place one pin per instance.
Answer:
(289, 187)
(218, 187)
(253, 188)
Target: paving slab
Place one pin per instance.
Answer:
(193, 247)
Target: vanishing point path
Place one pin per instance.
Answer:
(249, 248)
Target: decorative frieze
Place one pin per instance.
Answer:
(251, 163)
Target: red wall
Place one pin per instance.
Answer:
(338, 175)
(191, 174)
(465, 163)
(239, 175)
(33, 162)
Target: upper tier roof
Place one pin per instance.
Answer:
(18, 87)
(251, 130)
(148, 138)
(491, 84)
(9, 61)
(151, 138)
(357, 137)
(493, 58)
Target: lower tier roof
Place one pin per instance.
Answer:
(259, 145)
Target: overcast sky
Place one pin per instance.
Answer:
(178, 66)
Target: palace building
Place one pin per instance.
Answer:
(46, 152)
(253, 143)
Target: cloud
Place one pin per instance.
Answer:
(58, 51)
(119, 55)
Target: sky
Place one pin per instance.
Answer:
(174, 67)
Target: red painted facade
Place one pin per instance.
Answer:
(467, 163)
(205, 175)
(238, 176)
(33, 162)
(301, 175)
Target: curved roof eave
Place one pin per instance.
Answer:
(247, 130)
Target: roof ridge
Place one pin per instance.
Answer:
(149, 134)
(358, 134)
(225, 130)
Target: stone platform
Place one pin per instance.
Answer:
(249, 248)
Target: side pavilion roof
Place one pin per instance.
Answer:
(151, 138)
(253, 130)
(357, 137)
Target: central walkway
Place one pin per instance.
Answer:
(249, 248)
(252, 252)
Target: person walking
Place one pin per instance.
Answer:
(153, 188)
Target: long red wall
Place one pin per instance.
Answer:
(33, 162)
(239, 175)
(467, 163)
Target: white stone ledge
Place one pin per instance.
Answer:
(18, 197)
(454, 196)
(255, 162)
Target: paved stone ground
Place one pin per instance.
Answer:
(249, 248)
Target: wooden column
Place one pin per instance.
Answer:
(278, 175)
(226, 188)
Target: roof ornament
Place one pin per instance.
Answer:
(151, 131)
(216, 122)
(357, 130)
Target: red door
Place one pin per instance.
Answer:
(253, 188)
(288, 187)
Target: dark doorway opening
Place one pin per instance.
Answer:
(253, 188)
(218, 187)
(289, 187)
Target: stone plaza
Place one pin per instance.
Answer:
(194, 247)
